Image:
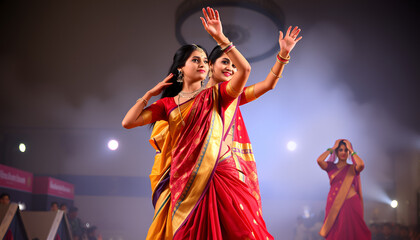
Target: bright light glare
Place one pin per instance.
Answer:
(22, 206)
(113, 145)
(394, 203)
(306, 212)
(22, 147)
(291, 145)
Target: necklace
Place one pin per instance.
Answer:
(179, 109)
(192, 94)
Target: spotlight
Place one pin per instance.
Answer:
(291, 145)
(394, 203)
(306, 212)
(22, 206)
(22, 147)
(113, 145)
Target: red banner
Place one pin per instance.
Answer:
(55, 187)
(15, 179)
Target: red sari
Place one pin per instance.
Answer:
(344, 212)
(197, 192)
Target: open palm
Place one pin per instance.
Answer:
(211, 22)
(290, 39)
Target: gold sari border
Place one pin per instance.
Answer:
(196, 169)
(165, 201)
(243, 150)
(338, 203)
(204, 169)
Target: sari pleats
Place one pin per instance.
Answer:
(227, 211)
(349, 224)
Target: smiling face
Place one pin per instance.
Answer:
(223, 69)
(342, 151)
(196, 67)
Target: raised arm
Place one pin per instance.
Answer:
(213, 25)
(360, 165)
(286, 43)
(321, 159)
(135, 116)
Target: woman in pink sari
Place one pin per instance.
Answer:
(344, 209)
(197, 193)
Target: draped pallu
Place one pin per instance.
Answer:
(189, 157)
(344, 209)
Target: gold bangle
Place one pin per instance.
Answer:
(144, 100)
(227, 46)
(284, 58)
(224, 44)
(230, 49)
(277, 76)
(284, 63)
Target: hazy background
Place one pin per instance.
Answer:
(70, 70)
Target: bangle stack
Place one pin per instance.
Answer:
(353, 153)
(283, 60)
(142, 99)
(330, 150)
(228, 48)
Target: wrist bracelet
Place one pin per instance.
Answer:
(282, 60)
(227, 48)
(144, 100)
(354, 153)
(277, 76)
(330, 150)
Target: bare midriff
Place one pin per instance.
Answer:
(351, 193)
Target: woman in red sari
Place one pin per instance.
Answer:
(344, 210)
(196, 190)
(222, 69)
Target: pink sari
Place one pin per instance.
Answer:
(344, 215)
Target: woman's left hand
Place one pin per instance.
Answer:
(288, 42)
(212, 23)
(348, 145)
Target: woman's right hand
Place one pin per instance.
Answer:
(288, 42)
(336, 144)
(156, 90)
(212, 24)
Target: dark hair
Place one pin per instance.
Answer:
(63, 204)
(5, 195)
(180, 57)
(215, 54)
(54, 203)
(339, 145)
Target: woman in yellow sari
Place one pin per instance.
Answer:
(196, 190)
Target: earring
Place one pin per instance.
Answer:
(210, 73)
(180, 77)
